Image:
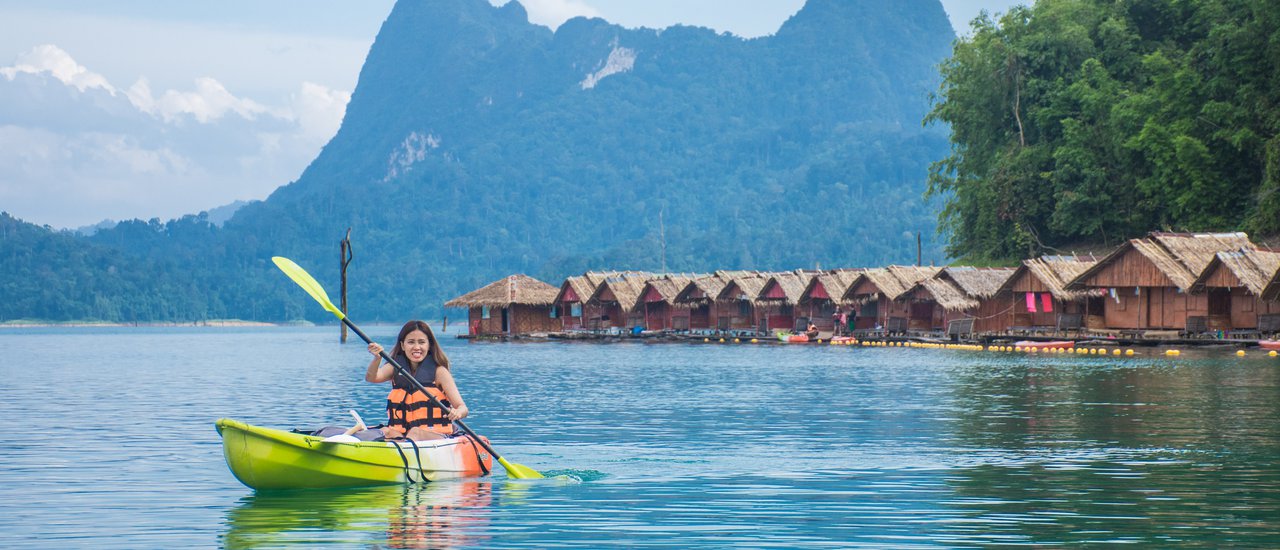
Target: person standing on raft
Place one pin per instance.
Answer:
(409, 413)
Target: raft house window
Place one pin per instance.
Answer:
(484, 312)
(744, 308)
(555, 312)
(576, 309)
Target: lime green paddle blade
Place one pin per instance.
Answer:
(519, 471)
(307, 282)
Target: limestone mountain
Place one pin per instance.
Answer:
(477, 144)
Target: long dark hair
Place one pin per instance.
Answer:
(436, 352)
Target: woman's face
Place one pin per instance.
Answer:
(415, 346)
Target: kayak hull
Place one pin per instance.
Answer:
(1269, 344)
(267, 458)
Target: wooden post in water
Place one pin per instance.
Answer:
(344, 261)
(918, 250)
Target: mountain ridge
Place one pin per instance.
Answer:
(477, 144)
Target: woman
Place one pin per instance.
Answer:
(812, 331)
(409, 412)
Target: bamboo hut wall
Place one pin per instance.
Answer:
(612, 316)
(1223, 278)
(528, 319)
(657, 315)
(735, 308)
(1131, 269)
(894, 308)
(1245, 309)
(864, 286)
(923, 312)
(1026, 281)
(1153, 308)
(520, 319)
(1021, 316)
(480, 326)
(992, 315)
(700, 317)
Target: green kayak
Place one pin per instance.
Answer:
(266, 458)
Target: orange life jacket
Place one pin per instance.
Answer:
(408, 407)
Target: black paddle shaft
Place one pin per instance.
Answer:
(400, 368)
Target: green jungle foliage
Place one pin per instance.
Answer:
(475, 147)
(1091, 121)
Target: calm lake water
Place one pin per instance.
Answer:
(108, 441)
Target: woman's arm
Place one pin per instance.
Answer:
(377, 371)
(445, 379)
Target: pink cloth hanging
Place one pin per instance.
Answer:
(1031, 302)
(1046, 300)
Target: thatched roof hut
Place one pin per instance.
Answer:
(1251, 269)
(961, 288)
(786, 287)
(1178, 258)
(830, 285)
(1053, 273)
(977, 282)
(891, 282)
(704, 289)
(667, 287)
(946, 293)
(1196, 250)
(504, 292)
(1272, 291)
(580, 288)
(623, 287)
(744, 287)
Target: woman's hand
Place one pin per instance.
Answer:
(458, 413)
(375, 349)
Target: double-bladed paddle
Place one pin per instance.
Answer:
(309, 284)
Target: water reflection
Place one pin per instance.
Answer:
(1072, 452)
(435, 515)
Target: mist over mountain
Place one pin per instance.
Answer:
(477, 145)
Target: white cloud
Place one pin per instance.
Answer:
(54, 61)
(208, 102)
(72, 154)
(319, 110)
(553, 13)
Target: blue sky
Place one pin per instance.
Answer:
(148, 108)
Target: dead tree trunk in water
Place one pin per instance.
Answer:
(344, 261)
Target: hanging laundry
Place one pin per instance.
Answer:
(1031, 302)
(1115, 296)
(1046, 300)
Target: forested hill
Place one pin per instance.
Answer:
(1085, 122)
(477, 144)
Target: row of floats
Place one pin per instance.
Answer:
(1065, 348)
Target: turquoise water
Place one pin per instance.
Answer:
(108, 441)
